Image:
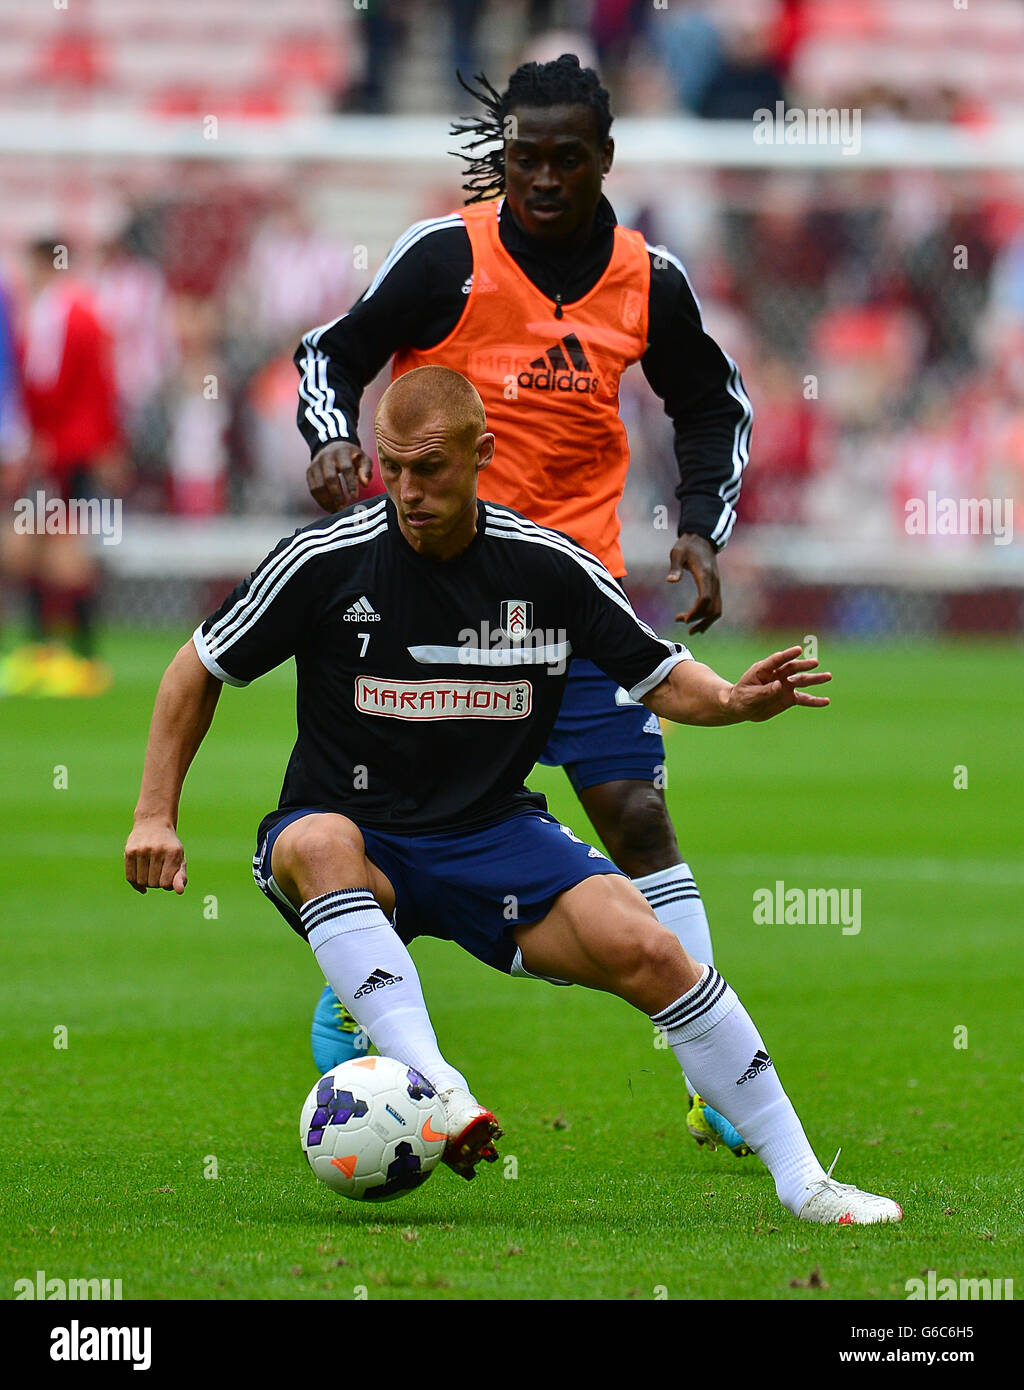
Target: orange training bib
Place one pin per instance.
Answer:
(550, 386)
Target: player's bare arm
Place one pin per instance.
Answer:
(336, 474)
(698, 555)
(692, 693)
(154, 856)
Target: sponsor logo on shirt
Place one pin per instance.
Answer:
(444, 699)
(496, 362)
(563, 368)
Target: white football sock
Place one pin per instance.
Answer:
(676, 902)
(716, 1043)
(677, 905)
(371, 971)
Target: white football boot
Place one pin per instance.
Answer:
(471, 1132)
(842, 1204)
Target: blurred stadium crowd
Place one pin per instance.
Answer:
(868, 356)
(906, 59)
(879, 367)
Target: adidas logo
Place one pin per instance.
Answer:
(564, 367)
(484, 282)
(380, 979)
(361, 612)
(758, 1063)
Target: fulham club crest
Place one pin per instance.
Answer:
(516, 620)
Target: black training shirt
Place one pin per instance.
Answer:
(417, 710)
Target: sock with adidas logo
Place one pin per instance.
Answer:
(717, 1045)
(371, 971)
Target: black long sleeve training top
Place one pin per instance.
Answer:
(419, 294)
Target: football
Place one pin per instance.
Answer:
(373, 1129)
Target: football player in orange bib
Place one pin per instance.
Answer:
(536, 294)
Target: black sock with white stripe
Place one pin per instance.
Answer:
(677, 904)
(717, 1045)
(371, 971)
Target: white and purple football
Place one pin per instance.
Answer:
(373, 1129)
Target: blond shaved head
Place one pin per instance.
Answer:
(431, 399)
(432, 441)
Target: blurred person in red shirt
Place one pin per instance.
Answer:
(74, 448)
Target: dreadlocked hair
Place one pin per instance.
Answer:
(559, 83)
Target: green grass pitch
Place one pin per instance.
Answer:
(159, 1146)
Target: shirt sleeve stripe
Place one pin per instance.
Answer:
(659, 673)
(271, 568)
(416, 233)
(212, 665)
(729, 490)
(539, 535)
(321, 411)
(247, 618)
(330, 423)
(267, 583)
(511, 526)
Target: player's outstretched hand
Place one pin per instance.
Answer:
(154, 857)
(697, 555)
(776, 684)
(335, 474)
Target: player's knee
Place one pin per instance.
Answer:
(319, 844)
(645, 832)
(643, 953)
(661, 955)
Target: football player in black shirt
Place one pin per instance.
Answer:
(403, 810)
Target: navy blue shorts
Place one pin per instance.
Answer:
(473, 887)
(598, 740)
